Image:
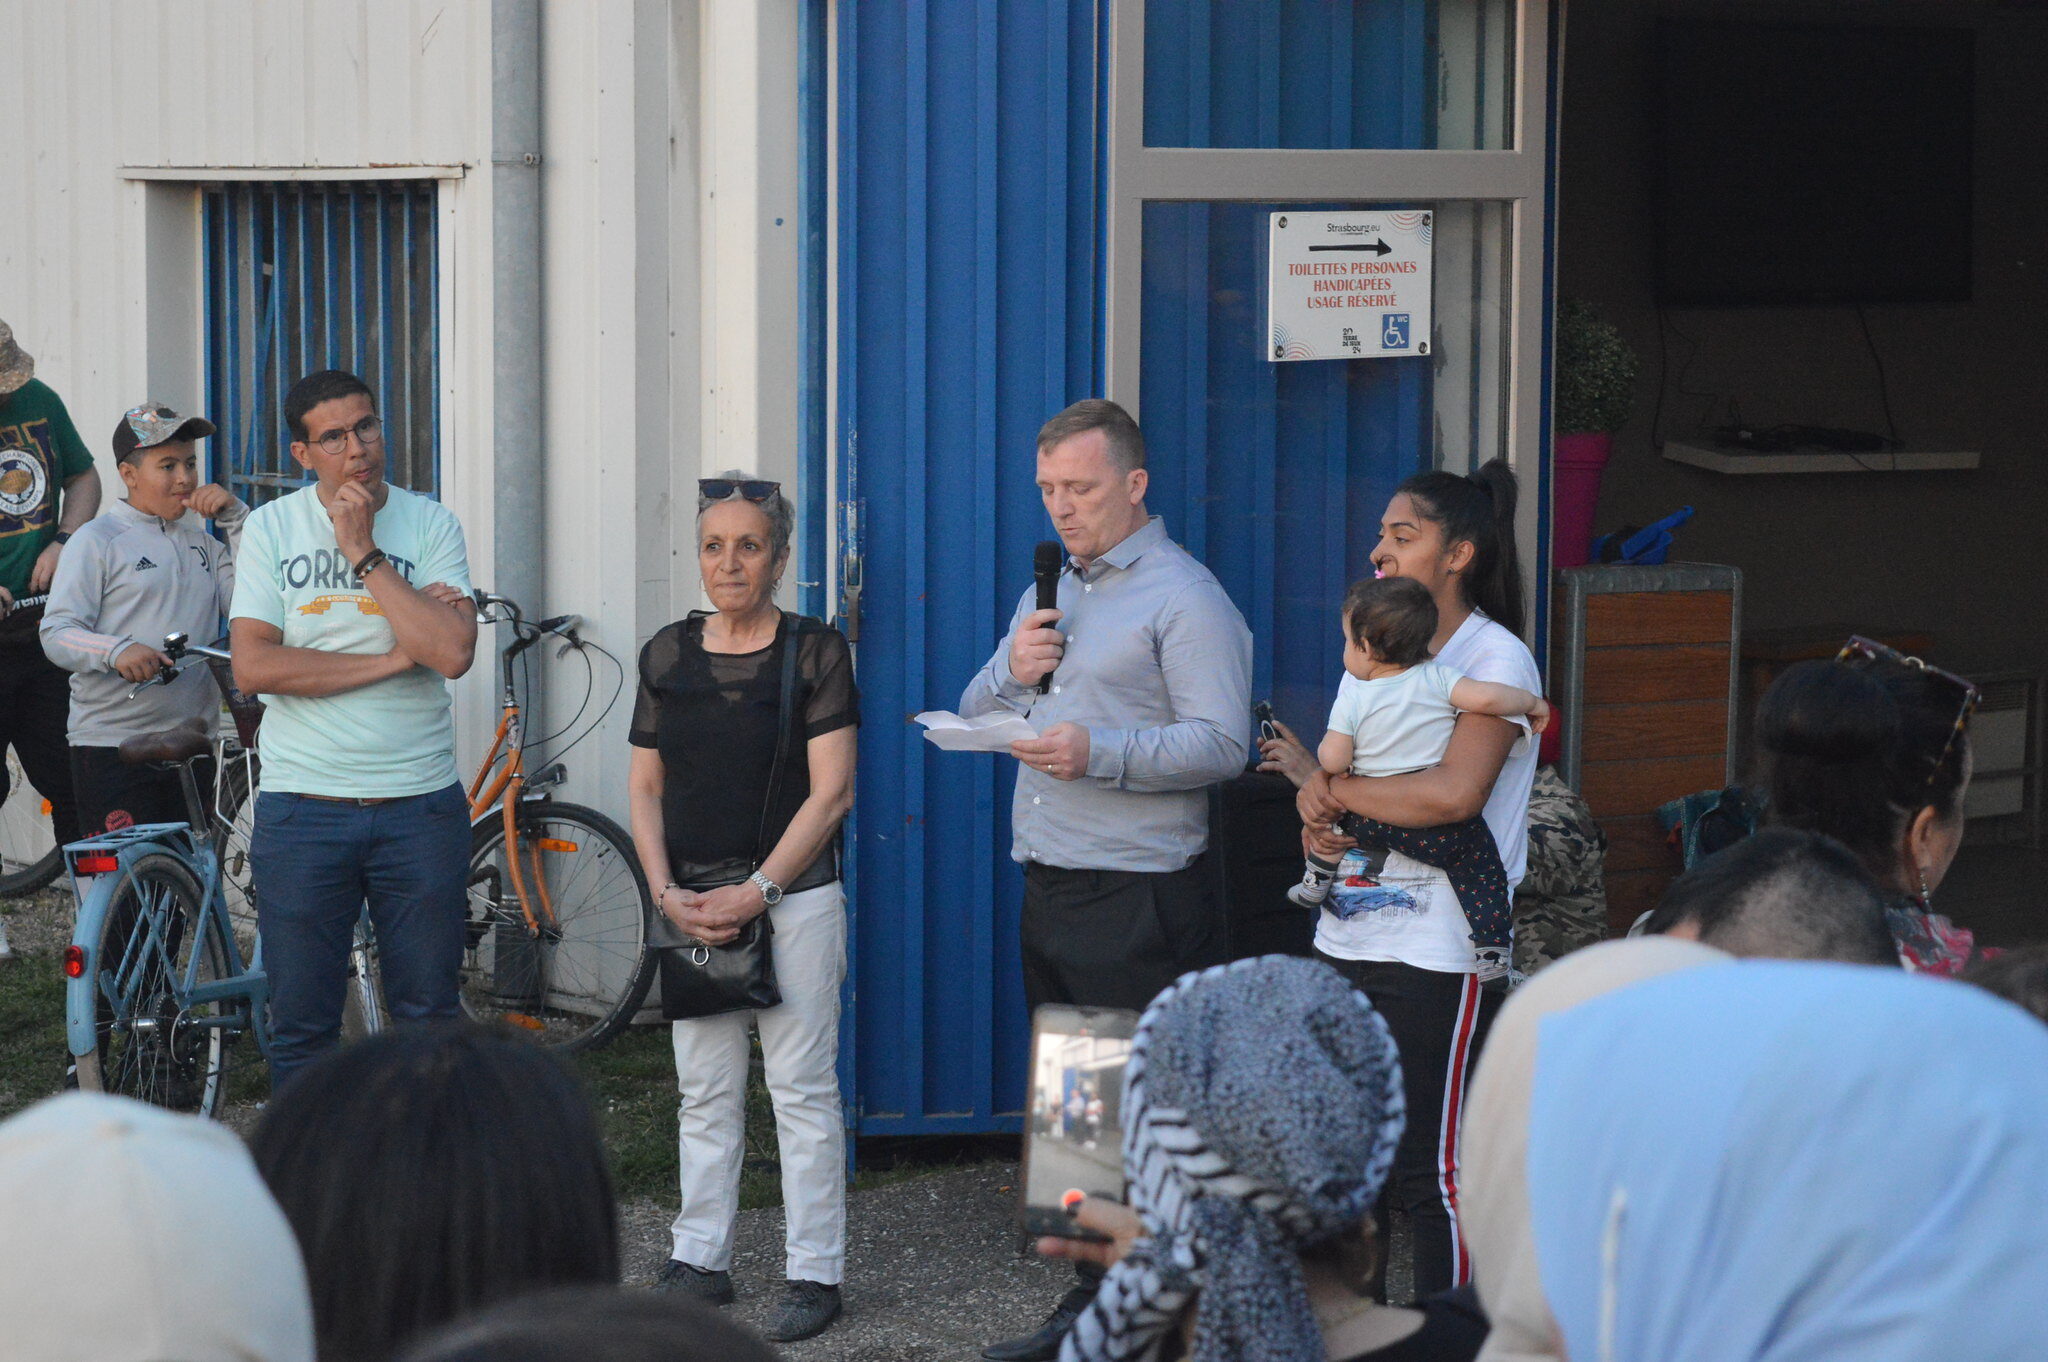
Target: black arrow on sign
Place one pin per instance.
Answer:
(1379, 247)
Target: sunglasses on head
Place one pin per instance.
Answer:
(1870, 650)
(718, 489)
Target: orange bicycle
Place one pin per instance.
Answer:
(558, 905)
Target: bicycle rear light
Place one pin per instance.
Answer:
(95, 863)
(74, 962)
(555, 844)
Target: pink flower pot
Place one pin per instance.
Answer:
(1580, 459)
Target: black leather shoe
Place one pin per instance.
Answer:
(807, 1310)
(713, 1288)
(1044, 1345)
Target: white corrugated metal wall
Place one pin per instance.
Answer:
(669, 333)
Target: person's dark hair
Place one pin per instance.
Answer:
(593, 1324)
(1782, 894)
(431, 1170)
(1855, 751)
(1392, 616)
(1126, 442)
(2018, 976)
(321, 386)
(1478, 510)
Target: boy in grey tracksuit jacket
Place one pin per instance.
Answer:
(143, 568)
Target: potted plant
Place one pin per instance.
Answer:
(1595, 389)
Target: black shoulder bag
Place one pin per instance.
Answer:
(700, 980)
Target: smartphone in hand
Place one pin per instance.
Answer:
(1073, 1117)
(1263, 712)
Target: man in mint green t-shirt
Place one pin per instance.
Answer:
(351, 614)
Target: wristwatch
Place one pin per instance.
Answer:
(63, 537)
(771, 892)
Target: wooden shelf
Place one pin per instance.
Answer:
(1819, 461)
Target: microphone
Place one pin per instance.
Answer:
(1046, 561)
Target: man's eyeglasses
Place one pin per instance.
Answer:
(368, 431)
(1871, 650)
(718, 489)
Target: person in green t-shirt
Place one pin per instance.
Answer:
(48, 489)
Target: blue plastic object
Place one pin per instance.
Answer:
(1647, 547)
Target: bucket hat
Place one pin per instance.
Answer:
(17, 366)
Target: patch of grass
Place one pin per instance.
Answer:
(32, 1053)
(632, 1081)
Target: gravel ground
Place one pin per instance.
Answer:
(40, 923)
(935, 1268)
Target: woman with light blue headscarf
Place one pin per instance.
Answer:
(1769, 1161)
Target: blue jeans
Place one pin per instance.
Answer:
(316, 862)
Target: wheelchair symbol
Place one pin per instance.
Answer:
(1394, 331)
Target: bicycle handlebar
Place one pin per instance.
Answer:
(178, 647)
(529, 631)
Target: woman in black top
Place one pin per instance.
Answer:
(705, 733)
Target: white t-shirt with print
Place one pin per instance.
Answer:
(383, 741)
(1434, 935)
(1397, 723)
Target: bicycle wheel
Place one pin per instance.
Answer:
(234, 814)
(153, 1043)
(580, 980)
(29, 855)
(362, 1006)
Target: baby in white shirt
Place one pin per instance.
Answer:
(1397, 719)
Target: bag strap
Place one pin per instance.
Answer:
(787, 634)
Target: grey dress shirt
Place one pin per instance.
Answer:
(1158, 669)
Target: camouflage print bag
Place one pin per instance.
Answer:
(1561, 903)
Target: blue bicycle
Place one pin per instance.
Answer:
(164, 974)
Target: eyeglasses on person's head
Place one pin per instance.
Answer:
(368, 431)
(1870, 650)
(750, 489)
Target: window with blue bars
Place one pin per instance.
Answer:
(308, 276)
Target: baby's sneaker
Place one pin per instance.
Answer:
(1313, 888)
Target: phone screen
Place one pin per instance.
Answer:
(1073, 1122)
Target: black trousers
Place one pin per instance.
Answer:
(1438, 1021)
(114, 794)
(35, 709)
(1116, 938)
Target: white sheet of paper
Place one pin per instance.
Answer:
(988, 733)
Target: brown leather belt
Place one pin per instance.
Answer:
(349, 799)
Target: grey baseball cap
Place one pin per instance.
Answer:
(153, 424)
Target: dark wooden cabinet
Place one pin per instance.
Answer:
(1646, 675)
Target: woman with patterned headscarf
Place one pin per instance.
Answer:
(1262, 1108)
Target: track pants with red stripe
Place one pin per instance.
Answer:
(1439, 1022)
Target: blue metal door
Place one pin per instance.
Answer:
(969, 306)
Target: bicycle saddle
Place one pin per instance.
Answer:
(190, 739)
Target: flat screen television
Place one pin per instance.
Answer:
(1813, 163)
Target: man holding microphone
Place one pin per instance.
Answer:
(1147, 705)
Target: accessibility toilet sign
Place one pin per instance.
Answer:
(1350, 285)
